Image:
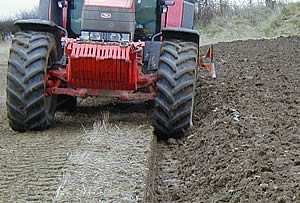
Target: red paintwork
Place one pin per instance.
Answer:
(55, 78)
(103, 69)
(174, 15)
(207, 61)
(60, 74)
(52, 81)
(111, 3)
(102, 66)
(49, 10)
(65, 14)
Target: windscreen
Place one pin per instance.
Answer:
(146, 17)
(75, 12)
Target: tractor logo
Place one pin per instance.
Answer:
(105, 15)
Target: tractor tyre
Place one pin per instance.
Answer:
(28, 107)
(177, 73)
(66, 103)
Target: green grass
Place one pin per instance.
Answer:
(257, 22)
(286, 23)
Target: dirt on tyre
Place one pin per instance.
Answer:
(28, 107)
(177, 75)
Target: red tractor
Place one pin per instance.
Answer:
(125, 49)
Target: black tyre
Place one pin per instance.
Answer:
(177, 75)
(28, 107)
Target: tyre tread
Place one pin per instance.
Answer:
(177, 74)
(26, 106)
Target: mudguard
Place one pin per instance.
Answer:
(37, 25)
(181, 34)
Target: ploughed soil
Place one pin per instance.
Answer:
(245, 145)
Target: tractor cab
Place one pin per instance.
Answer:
(104, 21)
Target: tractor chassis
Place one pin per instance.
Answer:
(55, 79)
(58, 77)
(57, 82)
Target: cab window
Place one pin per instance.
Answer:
(146, 17)
(74, 18)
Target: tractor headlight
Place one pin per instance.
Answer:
(85, 36)
(115, 37)
(105, 36)
(118, 37)
(125, 37)
(96, 36)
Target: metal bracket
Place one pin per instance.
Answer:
(207, 62)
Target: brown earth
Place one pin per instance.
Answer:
(245, 146)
